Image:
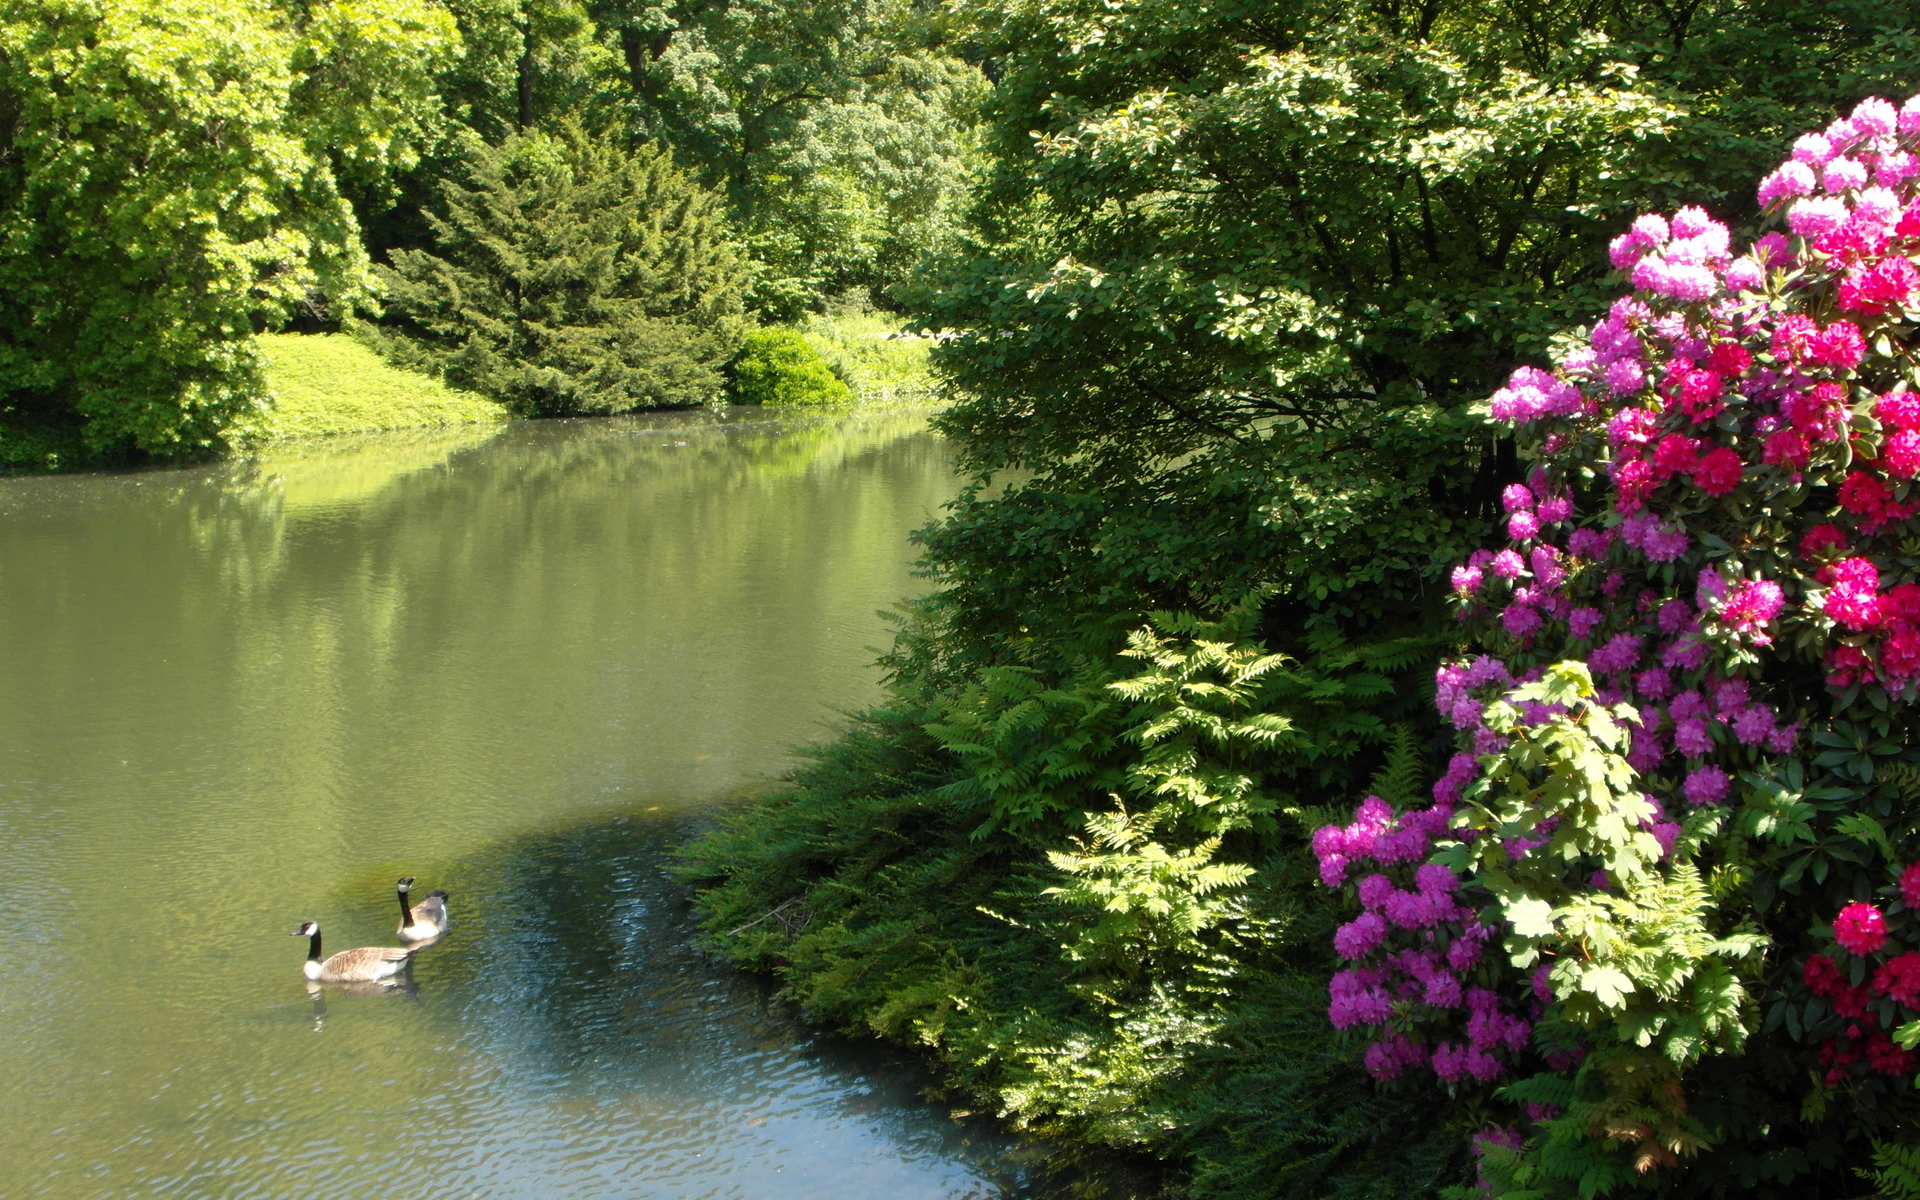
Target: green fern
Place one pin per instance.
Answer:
(1896, 1171)
(1399, 779)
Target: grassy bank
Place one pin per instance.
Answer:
(872, 357)
(326, 384)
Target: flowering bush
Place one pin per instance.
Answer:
(1686, 737)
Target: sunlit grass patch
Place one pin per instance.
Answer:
(328, 383)
(868, 352)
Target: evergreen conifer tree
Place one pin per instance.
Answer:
(570, 276)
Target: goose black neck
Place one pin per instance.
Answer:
(313, 945)
(406, 910)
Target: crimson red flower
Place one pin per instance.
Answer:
(1869, 498)
(1910, 885)
(1821, 976)
(1728, 359)
(1902, 603)
(1860, 928)
(1822, 538)
(1817, 412)
(1887, 1058)
(1900, 979)
(1848, 665)
(1787, 448)
(1719, 471)
(1677, 454)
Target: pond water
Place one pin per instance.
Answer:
(514, 663)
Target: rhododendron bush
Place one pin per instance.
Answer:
(1680, 825)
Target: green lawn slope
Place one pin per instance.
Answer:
(327, 383)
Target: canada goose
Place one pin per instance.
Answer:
(425, 920)
(359, 965)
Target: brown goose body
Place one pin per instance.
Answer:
(423, 921)
(363, 964)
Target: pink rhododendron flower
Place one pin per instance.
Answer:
(1874, 117)
(1910, 885)
(1791, 335)
(1898, 410)
(1860, 928)
(1706, 785)
(1838, 345)
(1874, 210)
(1852, 600)
(1466, 580)
(1895, 169)
(1751, 605)
(1812, 216)
(1789, 179)
(1744, 275)
(1843, 174)
(1901, 454)
(1812, 149)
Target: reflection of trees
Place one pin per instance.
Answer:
(436, 636)
(585, 962)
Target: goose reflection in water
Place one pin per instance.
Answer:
(400, 986)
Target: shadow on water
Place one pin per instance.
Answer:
(573, 960)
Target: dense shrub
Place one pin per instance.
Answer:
(780, 367)
(570, 276)
(1683, 822)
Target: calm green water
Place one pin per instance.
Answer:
(515, 664)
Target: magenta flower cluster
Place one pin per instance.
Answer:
(1447, 941)
(1728, 381)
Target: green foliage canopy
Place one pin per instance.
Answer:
(167, 181)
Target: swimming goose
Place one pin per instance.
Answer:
(425, 920)
(359, 965)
